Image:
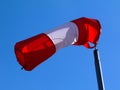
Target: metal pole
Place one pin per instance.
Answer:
(98, 70)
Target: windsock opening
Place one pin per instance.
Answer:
(89, 31)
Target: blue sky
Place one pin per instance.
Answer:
(71, 68)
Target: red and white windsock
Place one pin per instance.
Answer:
(35, 50)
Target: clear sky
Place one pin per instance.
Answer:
(71, 68)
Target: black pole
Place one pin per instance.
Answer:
(98, 70)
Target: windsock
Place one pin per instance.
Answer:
(35, 50)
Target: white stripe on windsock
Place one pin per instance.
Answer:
(64, 35)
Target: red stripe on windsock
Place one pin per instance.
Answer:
(33, 51)
(89, 31)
